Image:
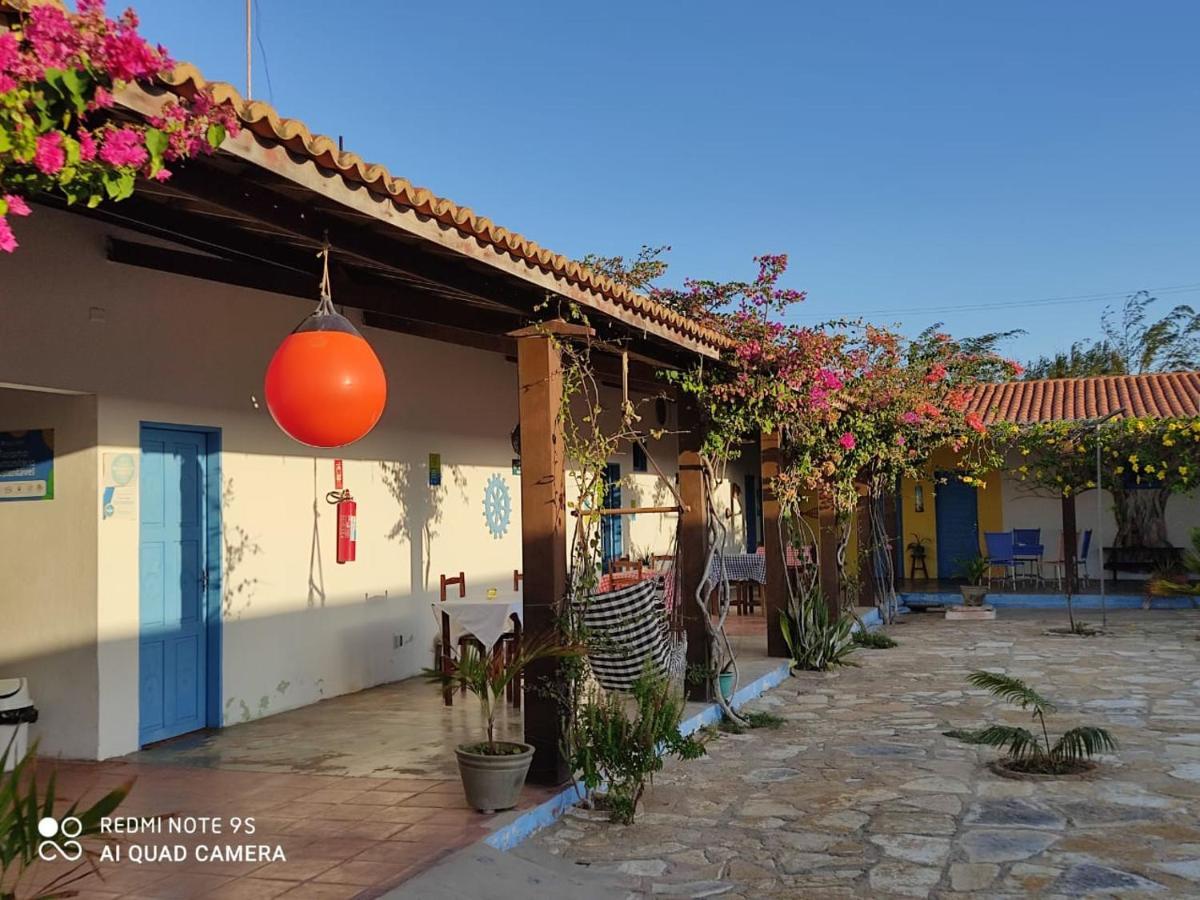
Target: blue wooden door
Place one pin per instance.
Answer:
(957, 512)
(173, 566)
(612, 543)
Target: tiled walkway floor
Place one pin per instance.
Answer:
(322, 783)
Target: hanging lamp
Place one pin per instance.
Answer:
(325, 386)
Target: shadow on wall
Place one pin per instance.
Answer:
(279, 662)
(420, 510)
(238, 590)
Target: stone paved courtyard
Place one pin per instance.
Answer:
(860, 795)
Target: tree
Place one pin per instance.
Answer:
(1131, 344)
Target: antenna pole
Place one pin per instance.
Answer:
(249, 29)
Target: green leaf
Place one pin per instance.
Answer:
(215, 135)
(1014, 690)
(156, 142)
(1083, 742)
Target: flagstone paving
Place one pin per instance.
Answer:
(859, 794)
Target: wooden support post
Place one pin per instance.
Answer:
(775, 594)
(692, 552)
(827, 538)
(543, 540)
(1069, 541)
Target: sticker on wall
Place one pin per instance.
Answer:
(435, 469)
(27, 464)
(516, 466)
(497, 506)
(119, 487)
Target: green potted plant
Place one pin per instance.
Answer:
(697, 674)
(493, 772)
(975, 570)
(916, 547)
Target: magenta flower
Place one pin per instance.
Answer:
(123, 147)
(49, 156)
(128, 57)
(51, 35)
(10, 52)
(8, 243)
(16, 205)
(910, 418)
(847, 441)
(87, 145)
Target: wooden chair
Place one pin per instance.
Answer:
(626, 570)
(447, 660)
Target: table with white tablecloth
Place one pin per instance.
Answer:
(487, 619)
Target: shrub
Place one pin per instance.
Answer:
(624, 752)
(876, 640)
(815, 640)
(1026, 751)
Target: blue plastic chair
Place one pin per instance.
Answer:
(1082, 559)
(1000, 553)
(1028, 548)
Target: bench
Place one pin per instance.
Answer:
(1141, 559)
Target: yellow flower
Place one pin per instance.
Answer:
(1183, 470)
(1135, 467)
(1118, 470)
(1024, 451)
(1023, 469)
(1058, 478)
(1167, 442)
(1133, 457)
(1091, 484)
(1141, 425)
(1081, 449)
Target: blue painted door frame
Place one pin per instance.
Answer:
(612, 542)
(750, 510)
(179, 581)
(957, 512)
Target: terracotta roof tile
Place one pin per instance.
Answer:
(265, 121)
(1158, 395)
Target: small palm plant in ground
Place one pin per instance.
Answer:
(1026, 751)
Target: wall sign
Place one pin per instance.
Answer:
(27, 464)
(435, 469)
(118, 492)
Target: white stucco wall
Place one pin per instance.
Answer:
(48, 574)
(1026, 508)
(158, 348)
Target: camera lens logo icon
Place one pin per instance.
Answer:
(60, 840)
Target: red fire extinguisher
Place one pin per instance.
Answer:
(347, 517)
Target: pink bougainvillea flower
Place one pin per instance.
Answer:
(847, 441)
(49, 156)
(975, 423)
(87, 145)
(162, 174)
(101, 98)
(1017, 369)
(900, 441)
(16, 205)
(124, 147)
(910, 418)
(10, 53)
(128, 57)
(8, 243)
(51, 36)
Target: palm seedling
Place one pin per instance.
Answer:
(1025, 750)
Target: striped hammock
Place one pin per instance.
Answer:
(628, 632)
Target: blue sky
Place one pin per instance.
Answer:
(914, 159)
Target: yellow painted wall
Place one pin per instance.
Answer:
(924, 524)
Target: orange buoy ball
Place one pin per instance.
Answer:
(325, 386)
